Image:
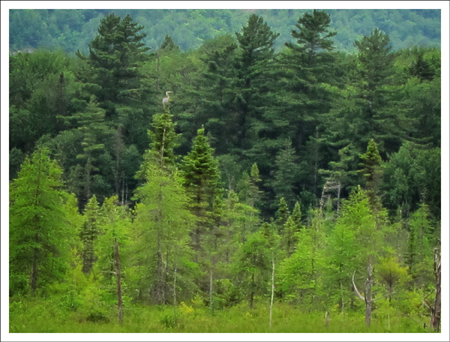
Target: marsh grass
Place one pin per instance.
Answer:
(45, 316)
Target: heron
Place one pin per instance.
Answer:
(166, 99)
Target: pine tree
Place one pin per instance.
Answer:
(39, 231)
(216, 93)
(307, 68)
(115, 56)
(384, 120)
(256, 55)
(93, 128)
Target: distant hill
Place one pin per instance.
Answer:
(72, 30)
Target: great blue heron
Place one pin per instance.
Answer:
(166, 99)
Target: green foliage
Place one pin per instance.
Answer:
(252, 265)
(40, 235)
(282, 128)
(372, 170)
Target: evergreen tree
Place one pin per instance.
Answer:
(285, 175)
(420, 244)
(92, 128)
(307, 68)
(200, 170)
(162, 219)
(215, 91)
(252, 266)
(372, 171)
(89, 234)
(292, 227)
(282, 214)
(256, 56)
(115, 56)
(40, 234)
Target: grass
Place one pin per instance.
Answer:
(40, 316)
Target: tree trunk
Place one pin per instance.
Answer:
(175, 292)
(211, 292)
(436, 312)
(342, 299)
(368, 294)
(272, 292)
(251, 292)
(119, 282)
(368, 297)
(338, 197)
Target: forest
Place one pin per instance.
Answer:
(227, 185)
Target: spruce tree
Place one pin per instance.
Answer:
(201, 176)
(89, 234)
(372, 171)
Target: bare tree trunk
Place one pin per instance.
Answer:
(252, 293)
(119, 283)
(338, 196)
(175, 291)
(368, 294)
(211, 307)
(272, 292)
(436, 312)
(123, 190)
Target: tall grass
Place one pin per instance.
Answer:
(45, 316)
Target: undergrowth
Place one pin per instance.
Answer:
(46, 316)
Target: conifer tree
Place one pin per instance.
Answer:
(372, 171)
(282, 214)
(92, 126)
(252, 265)
(162, 217)
(40, 234)
(89, 234)
(419, 249)
(307, 68)
(115, 56)
(256, 55)
(285, 175)
(200, 171)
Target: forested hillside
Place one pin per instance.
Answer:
(223, 185)
(72, 30)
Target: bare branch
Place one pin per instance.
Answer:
(356, 289)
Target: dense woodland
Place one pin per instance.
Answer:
(73, 30)
(227, 183)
